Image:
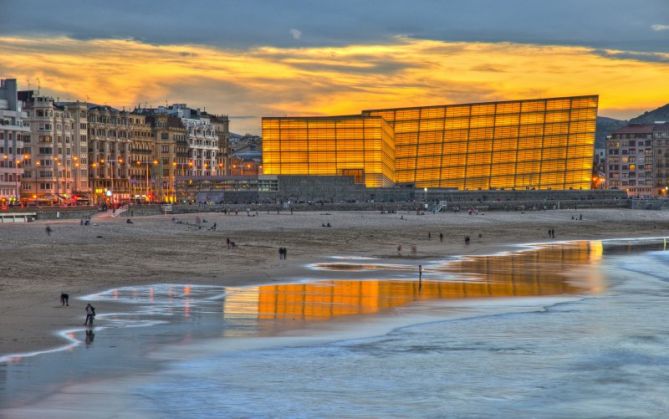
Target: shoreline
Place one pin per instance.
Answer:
(501, 232)
(71, 342)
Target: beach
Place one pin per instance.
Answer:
(111, 253)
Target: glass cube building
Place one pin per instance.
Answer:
(523, 144)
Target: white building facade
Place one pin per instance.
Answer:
(14, 131)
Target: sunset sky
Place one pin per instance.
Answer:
(253, 58)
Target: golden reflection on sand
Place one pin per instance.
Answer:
(561, 269)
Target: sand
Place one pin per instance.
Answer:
(81, 260)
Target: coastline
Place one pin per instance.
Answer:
(30, 316)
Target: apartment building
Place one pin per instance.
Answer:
(142, 156)
(171, 156)
(14, 131)
(221, 126)
(53, 171)
(637, 160)
(110, 138)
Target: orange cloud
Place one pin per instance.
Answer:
(331, 80)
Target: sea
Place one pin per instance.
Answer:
(557, 330)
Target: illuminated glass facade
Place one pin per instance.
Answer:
(525, 144)
(347, 145)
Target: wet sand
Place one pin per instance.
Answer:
(83, 260)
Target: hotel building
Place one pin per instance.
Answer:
(524, 144)
(14, 130)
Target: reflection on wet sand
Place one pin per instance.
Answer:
(538, 272)
(346, 266)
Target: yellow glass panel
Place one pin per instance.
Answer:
(557, 116)
(585, 102)
(508, 107)
(483, 109)
(406, 114)
(533, 106)
(457, 111)
(429, 113)
(456, 123)
(557, 104)
(482, 121)
(481, 133)
(510, 119)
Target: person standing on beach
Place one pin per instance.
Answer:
(441, 237)
(90, 315)
(48, 230)
(64, 299)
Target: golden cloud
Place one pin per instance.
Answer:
(331, 80)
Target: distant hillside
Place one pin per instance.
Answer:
(606, 126)
(659, 114)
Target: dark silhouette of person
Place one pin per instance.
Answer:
(467, 239)
(441, 237)
(48, 230)
(64, 299)
(90, 315)
(90, 336)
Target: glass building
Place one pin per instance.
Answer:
(524, 144)
(340, 145)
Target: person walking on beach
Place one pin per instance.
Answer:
(64, 299)
(90, 315)
(441, 237)
(429, 235)
(48, 230)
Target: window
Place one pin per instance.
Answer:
(164, 136)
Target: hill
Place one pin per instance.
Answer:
(656, 115)
(606, 126)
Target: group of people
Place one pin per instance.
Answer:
(89, 309)
(551, 233)
(283, 253)
(441, 236)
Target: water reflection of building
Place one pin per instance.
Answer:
(540, 272)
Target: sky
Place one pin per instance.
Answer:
(253, 58)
